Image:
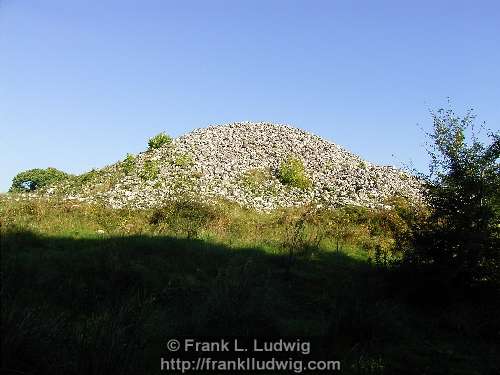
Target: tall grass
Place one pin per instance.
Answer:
(90, 290)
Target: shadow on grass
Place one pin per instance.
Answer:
(108, 305)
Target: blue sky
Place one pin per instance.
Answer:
(84, 82)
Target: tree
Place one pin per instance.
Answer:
(33, 179)
(460, 238)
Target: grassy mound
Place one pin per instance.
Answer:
(104, 289)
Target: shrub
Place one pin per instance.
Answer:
(460, 240)
(292, 172)
(128, 163)
(33, 179)
(159, 140)
(151, 170)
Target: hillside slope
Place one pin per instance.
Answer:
(241, 162)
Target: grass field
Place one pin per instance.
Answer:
(90, 290)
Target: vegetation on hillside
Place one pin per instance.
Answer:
(292, 172)
(128, 164)
(84, 279)
(37, 178)
(404, 289)
(458, 243)
(151, 170)
(159, 140)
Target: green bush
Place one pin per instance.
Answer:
(159, 140)
(128, 163)
(33, 179)
(151, 170)
(460, 240)
(292, 172)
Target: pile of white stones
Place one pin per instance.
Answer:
(216, 162)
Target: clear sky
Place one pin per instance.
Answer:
(84, 82)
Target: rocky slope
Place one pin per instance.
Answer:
(240, 162)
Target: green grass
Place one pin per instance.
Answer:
(90, 290)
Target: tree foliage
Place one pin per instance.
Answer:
(37, 178)
(460, 238)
